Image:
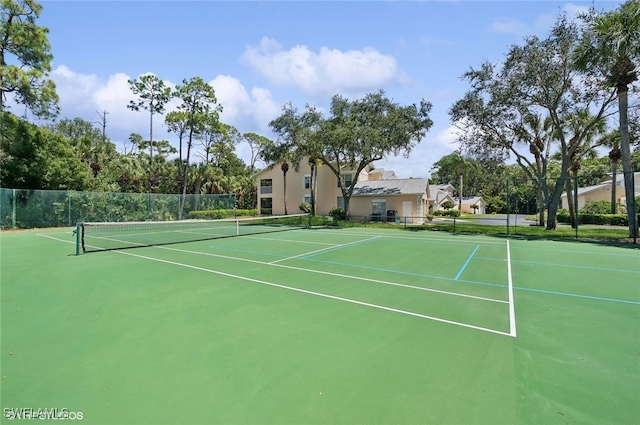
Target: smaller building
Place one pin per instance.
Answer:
(406, 199)
(440, 194)
(472, 205)
(602, 192)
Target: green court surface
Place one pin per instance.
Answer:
(321, 326)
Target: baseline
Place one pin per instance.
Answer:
(319, 294)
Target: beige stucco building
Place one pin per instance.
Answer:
(602, 192)
(378, 194)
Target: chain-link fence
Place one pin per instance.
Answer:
(23, 208)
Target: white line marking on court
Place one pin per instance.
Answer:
(380, 307)
(290, 240)
(56, 239)
(512, 310)
(319, 294)
(325, 249)
(365, 279)
(424, 237)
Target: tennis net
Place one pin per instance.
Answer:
(107, 236)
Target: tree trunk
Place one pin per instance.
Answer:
(151, 145)
(614, 186)
(623, 105)
(541, 208)
(572, 212)
(313, 178)
(285, 193)
(185, 177)
(554, 203)
(460, 193)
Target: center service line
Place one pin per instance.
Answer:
(464, 266)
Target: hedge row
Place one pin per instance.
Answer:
(217, 214)
(602, 219)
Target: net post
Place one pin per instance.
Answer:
(78, 232)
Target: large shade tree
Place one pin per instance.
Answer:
(611, 47)
(537, 78)
(359, 132)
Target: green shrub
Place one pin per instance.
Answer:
(604, 219)
(305, 207)
(338, 213)
(600, 207)
(447, 213)
(563, 216)
(447, 205)
(218, 214)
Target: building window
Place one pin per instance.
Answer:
(266, 186)
(266, 206)
(348, 180)
(307, 199)
(378, 209)
(307, 182)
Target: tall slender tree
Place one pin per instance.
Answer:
(199, 106)
(152, 94)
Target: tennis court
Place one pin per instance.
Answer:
(322, 325)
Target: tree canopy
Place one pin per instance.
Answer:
(355, 134)
(532, 104)
(25, 59)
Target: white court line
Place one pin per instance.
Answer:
(512, 309)
(346, 276)
(376, 306)
(325, 249)
(365, 279)
(318, 294)
(289, 240)
(425, 238)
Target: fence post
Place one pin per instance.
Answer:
(575, 203)
(13, 210)
(507, 207)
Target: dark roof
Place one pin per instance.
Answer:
(390, 187)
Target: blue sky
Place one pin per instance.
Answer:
(260, 55)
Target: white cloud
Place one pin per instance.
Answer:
(510, 26)
(428, 40)
(87, 96)
(540, 25)
(430, 150)
(247, 111)
(324, 72)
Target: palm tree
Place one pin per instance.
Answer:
(614, 155)
(610, 45)
(538, 132)
(285, 167)
(461, 166)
